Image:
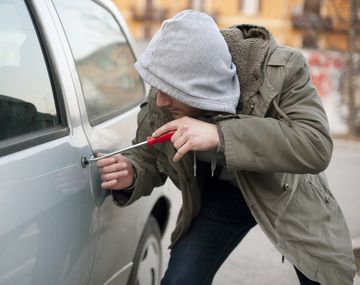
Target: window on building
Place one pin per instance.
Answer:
(250, 7)
(312, 6)
(310, 40)
(103, 57)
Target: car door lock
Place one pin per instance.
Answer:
(84, 161)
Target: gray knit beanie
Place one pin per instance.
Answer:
(189, 60)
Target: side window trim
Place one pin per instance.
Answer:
(26, 141)
(106, 117)
(109, 115)
(53, 75)
(32, 139)
(129, 42)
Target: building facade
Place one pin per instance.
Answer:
(299, 23)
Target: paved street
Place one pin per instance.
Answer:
(256, 262)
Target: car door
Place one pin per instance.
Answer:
(48, 217)
(109, 91)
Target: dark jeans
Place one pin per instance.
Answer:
(223, 221)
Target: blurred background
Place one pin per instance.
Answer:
(328, 33)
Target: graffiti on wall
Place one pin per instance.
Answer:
(327, 69)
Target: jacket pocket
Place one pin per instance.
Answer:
(310, 212)
(316, 184)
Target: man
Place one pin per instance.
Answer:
(250, 138)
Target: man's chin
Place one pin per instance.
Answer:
(176, 114)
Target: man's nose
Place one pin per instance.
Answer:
(162, 100)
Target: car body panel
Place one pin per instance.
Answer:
(47, 212)
(57, 225)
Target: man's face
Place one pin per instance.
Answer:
(177, 108)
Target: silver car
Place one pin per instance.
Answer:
(68, 89)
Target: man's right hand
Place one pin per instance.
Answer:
(116, 172)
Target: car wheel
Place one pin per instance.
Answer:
(147, 262)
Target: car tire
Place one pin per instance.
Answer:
(148, 258)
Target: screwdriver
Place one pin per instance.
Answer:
(150, 141)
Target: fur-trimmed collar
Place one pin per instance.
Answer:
(248, 46)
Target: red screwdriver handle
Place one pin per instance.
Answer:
(163, 138)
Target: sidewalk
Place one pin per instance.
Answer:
(256, 262)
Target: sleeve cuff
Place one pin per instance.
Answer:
(121, 197)
(220, 147)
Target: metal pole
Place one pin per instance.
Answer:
(351, 61)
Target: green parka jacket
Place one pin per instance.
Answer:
(277, 145)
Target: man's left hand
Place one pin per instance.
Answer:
(190, 134)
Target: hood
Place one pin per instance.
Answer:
(189, 60)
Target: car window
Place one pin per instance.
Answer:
(103, 57)
(26, 97)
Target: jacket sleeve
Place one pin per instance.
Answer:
(144, 163)
(297, 142)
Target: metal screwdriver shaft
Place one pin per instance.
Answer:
(150, 141)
